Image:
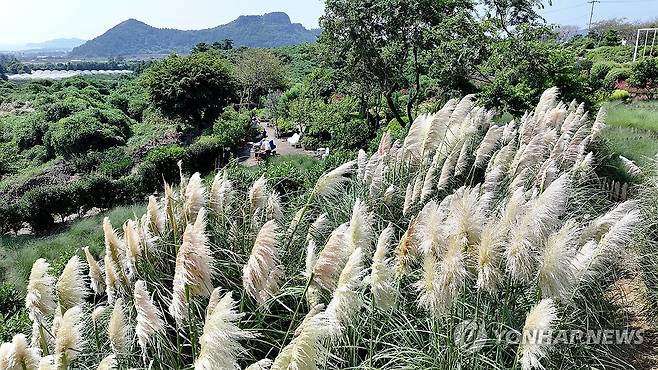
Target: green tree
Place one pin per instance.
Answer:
(380, 44)
(195, 87)
(259, 71)
(611, 38)
(3, 73)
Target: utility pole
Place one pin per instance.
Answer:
(591, 14)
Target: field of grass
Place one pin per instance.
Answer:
(632, 131)
(18, 253)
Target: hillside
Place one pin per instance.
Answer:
(133, 37)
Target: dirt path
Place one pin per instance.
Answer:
(283, 147)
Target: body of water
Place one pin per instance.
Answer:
(58, 75)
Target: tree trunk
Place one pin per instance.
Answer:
(414, 98)
(394, 109)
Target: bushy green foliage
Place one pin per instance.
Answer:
(195, 87)
(599, 71)
(233, 127)
(620, 95)
(616, 75)
(618, 54)
(644, 74)
(90, 129)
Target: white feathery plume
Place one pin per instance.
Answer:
(428, 285)
(360, 232)
(371, 166)
(557, 273)
(307, 350)
(113, 247)
(330, 183)
(318, 226)
(462, 160)
(133, 248)
(549, 173)
(263, 364)
(111, 279)
(23, 357)
(385, 143)
(194, 268)
(95, 273)
(146, 237)
(488, 144)
(630, 166)
(428, 183)
(466, 217)
(149, 318)
(220, 345)
(258, 194)
(620, 234)
(273, 209)
(345, 303)
(72, 285)
(261, 272)
(6, 356)
(602, 224)
(426, 131)
(538, 325)
(311, 257)
(389, 193)
(452, 275)
(40, 297)
(489, 256)
(418, 188)
(361, 163)
(117, 329)
(47, 363)
(429, 228)
(540, 218)
(448, 168)
(156, 217)
(407, 250)
(315, 310)
(381, 276)
(408, 198)
(213, 301)
(195, 196)
(377, 182)
(97, 313)
(221, 193)
(509, 132)
(108, 363)
(69, 342)
(599, 123)
(331, 259)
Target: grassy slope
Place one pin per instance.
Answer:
(18, 253)
(633, 131)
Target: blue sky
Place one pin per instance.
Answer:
(23, 21)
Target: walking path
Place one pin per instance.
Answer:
(283, 147)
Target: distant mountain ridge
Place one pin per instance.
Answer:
(133, 37)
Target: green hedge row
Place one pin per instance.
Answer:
(39, 206)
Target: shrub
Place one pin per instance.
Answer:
(599, 71)
(644, 74)
(87, 130)
(28, 130)
(233, 127)
(620, 95)
(619, 54)
(616, 75)
(164, 161)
